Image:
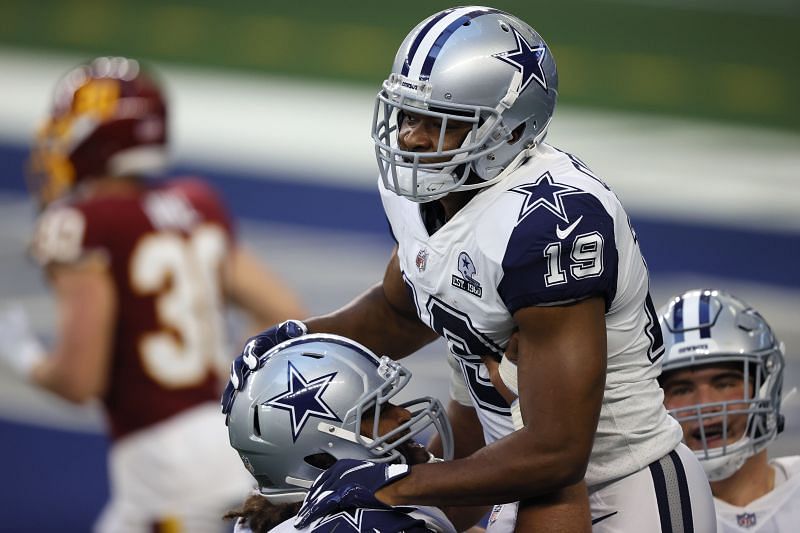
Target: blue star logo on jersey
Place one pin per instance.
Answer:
(527, 59)
(303, 399)
(350, 517)
(544, 193)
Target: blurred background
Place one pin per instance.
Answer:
(687, 108)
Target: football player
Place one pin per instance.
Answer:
(141, 269)
(498, 232)
(320, 398)
(722, 378)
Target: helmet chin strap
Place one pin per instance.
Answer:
(513, 165)
(518, 160)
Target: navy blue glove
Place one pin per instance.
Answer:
(251, 357)
(349, 484)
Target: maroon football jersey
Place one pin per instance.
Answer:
(165, 247)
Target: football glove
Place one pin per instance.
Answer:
(251, 357)
(349, 484)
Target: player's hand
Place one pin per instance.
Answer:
(251, 357)
(19, 348)
(349, 484)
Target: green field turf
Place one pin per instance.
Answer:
(737, 60)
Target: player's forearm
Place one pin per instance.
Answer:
(53, 375)
(372, 321)
(463, 518)
(252, 286)
(513, 468)
(562, 511)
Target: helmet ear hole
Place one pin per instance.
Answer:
(518, 132)
(256, 422)
(322, 460)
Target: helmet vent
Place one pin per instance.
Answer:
(321, 460)
(256, 423)
(313, 355)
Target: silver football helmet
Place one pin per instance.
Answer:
(303, 409)
(711, 327)
(469, 64)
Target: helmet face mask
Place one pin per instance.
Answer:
(711, 335)
(322, 397)
(108, 118)
(468, 64)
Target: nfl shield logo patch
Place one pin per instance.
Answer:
(422, 259)
(746, 519)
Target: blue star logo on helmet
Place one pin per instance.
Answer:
(526, 59)
(303, 399)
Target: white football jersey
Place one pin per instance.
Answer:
(775, 512)
(550, 233)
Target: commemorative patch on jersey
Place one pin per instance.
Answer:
(467, 282)
(746, 519)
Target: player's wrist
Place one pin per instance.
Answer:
(388, 494)
(516, 415)
(508, 373)
(395, 492)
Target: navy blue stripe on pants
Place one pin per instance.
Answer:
(672, 494)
